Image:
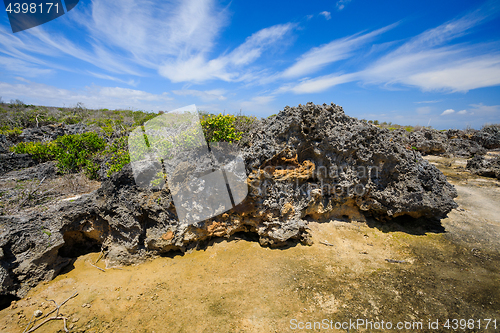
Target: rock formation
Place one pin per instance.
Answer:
(310, 162)
(482, 166)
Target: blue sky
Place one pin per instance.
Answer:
(409, 62)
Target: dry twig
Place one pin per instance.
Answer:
(326, 243)
(56, 317)
(99, 268)
(30, 194)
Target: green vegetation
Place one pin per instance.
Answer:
(227, 128)
(72, 152)
(119, 156)
(106, 145)
(10, 131)
(219, 128)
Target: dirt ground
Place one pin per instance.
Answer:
(393, 272)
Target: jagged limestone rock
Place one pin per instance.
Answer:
(310, 162)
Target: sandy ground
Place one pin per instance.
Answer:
(438, 272)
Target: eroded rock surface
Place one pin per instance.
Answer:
(309, 162)
(12, 161)
(51, 132)
(482, 166)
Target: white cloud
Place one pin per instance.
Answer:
(424, 110)
(22, 67)
(447, 112)
(425, 63)
(460, 75)
(488, 110)
(152, 30)
(341, 4)
(226, 67)
(93, 97)
(326, 14)
(208, 95)
(462, 112)
(130, 82)
(336, 50)
(123, 36)
(258, 105)
(318, 84)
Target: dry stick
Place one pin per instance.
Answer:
(31, 193)
(29, 322)
(57, 317)
(326, 243)
(99, 268)
(98, 258)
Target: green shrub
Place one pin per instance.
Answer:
(40, 151)
(119, 155)
(72, 152)
(218, 128)
(11, 132)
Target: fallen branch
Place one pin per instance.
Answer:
(56, 317)
(33, 315)
(99, 268)
(326, 243)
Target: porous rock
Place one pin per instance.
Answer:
(482, 166)
(51, 132)
(310, 162)
(12, 161)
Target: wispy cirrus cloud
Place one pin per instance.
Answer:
(339, 49)
(318, 84)
(130, 82)
(424, 110)
(174, 38)
(228, 67)
(429, 61)
(428, 102)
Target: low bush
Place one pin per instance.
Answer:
(119, 155)
(72, 152)
(11, 131)
(219, 128)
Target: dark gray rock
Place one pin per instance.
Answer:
(4, 144)
(464, 147)
(430, 141)
(11, 161)
(482, 166)
(51, 132)
(309, 162)
(488, 136)
(326, 164)
(43, 170)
